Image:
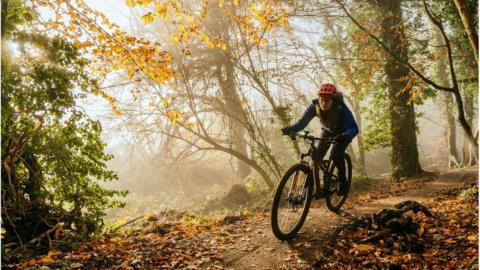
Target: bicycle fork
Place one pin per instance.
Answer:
(297, 198)
(293, 187)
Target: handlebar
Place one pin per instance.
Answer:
(304, 135)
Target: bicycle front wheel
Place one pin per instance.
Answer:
(292, 201)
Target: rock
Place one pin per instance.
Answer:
(76, 265)
(230, 219)
(44, 268)
(158, 228)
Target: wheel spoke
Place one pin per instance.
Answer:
(291, 207)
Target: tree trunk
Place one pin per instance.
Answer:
(448, 106)
(234, 112)
(473, 154)
(404, 157)
(468, 151)
(4, 15)
(453, 160)
(468, 25)
(361, 145)
(34, 183)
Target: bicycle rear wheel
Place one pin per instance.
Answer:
(332, 185)
(292, 201)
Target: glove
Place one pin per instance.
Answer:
(342, 138)
(286, 131)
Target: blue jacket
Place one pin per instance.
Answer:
(351, 129)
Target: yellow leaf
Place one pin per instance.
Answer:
(148, 18)
(420, 230)
(236, 2)
(187, 124)
(162, 10)
(205, 38)
(189, 19)
(115, 66)
(224, 47)
(130, 3)
(174, 38)
(116, 111)
(450, 241)
(72, 26)
(165, 101)
(364, 248)
(51, 256)
(52, 24)
(145, 3)
(165, 15)
(472, 238)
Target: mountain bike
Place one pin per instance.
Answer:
(295, 190)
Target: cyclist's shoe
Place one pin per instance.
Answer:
(286, 131)
(343, 187)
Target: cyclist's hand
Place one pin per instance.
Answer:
(342, 138)
(286, 131)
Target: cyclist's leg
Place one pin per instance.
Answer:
(322, 148)
(338, 149)
(320, 151)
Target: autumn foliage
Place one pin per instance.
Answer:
(113, 49)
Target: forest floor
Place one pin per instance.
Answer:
(448, 241)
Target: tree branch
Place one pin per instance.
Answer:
(412, 68)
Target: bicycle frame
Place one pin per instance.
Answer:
(324, 166)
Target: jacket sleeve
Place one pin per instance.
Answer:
(307, 116)
(350, 124)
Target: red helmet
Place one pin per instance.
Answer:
(327, 90)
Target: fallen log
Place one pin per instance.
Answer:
(389, 221)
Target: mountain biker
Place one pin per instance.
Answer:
(338, 123)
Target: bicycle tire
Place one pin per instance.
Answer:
(284, 236)
(329, 196)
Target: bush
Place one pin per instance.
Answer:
(252, 194)
(469, 194)
(53, 157)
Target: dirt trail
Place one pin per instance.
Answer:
(257, 248)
